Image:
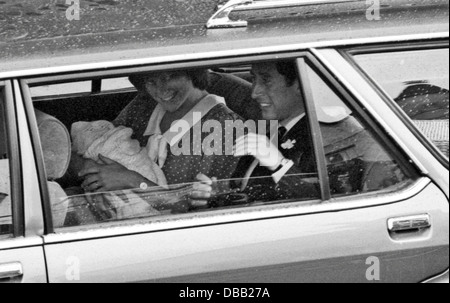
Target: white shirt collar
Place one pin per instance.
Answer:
(290, 123)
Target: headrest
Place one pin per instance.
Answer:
(85, 133)
(237, 93)
(56, 145)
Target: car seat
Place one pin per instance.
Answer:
(56, 148)
(237, 93)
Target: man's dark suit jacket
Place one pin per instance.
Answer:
(262, 187)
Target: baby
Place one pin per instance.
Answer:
(101, 137)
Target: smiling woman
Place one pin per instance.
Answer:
(179, 95)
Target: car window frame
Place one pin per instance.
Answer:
(15, 163)
(350, 53)
(38, 155)
(96, 89)
(253, 212)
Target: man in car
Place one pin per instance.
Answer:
(274, 166)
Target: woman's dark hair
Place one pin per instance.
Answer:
(288, 69)
(199, 77)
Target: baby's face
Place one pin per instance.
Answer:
(85, 133)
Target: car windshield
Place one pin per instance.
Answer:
(418, 81)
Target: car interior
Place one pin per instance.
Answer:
(346, 143)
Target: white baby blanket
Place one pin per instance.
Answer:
(101, 137)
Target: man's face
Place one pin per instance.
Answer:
(277, 99)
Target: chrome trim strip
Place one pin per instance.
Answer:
(270, 4)
(237, 215)
(362, 83)
(212, 55)
(13, 243)
(221, 19)
(441, 279)
(409, 223)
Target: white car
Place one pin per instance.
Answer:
(376, 84)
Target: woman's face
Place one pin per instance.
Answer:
(170, 89)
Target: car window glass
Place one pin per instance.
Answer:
(210, 151)
(61, 89)
(5, 188)
(357, 162)
(80, 87)
(116, 84)
(418, 81)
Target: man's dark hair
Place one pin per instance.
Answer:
(288, 69)
(199, 77)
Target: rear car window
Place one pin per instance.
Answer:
(418, 81)
(5, 187)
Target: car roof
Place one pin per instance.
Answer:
(36, 38)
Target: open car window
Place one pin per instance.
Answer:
(204, 144)
(5, 187)
(418, 81)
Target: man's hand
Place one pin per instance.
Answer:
(261, 148)
(108, 175)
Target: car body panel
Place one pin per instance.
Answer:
(266, 247)
(73, 48)
(440, 279)
(27, 252)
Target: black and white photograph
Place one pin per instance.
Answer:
(224, 149)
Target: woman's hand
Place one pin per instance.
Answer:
(261, 148)
(108, 175)
(203, 191)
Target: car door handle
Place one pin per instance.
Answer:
(11, 270)
(410, 223)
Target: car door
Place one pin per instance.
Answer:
(21, 247)
(377, 217)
